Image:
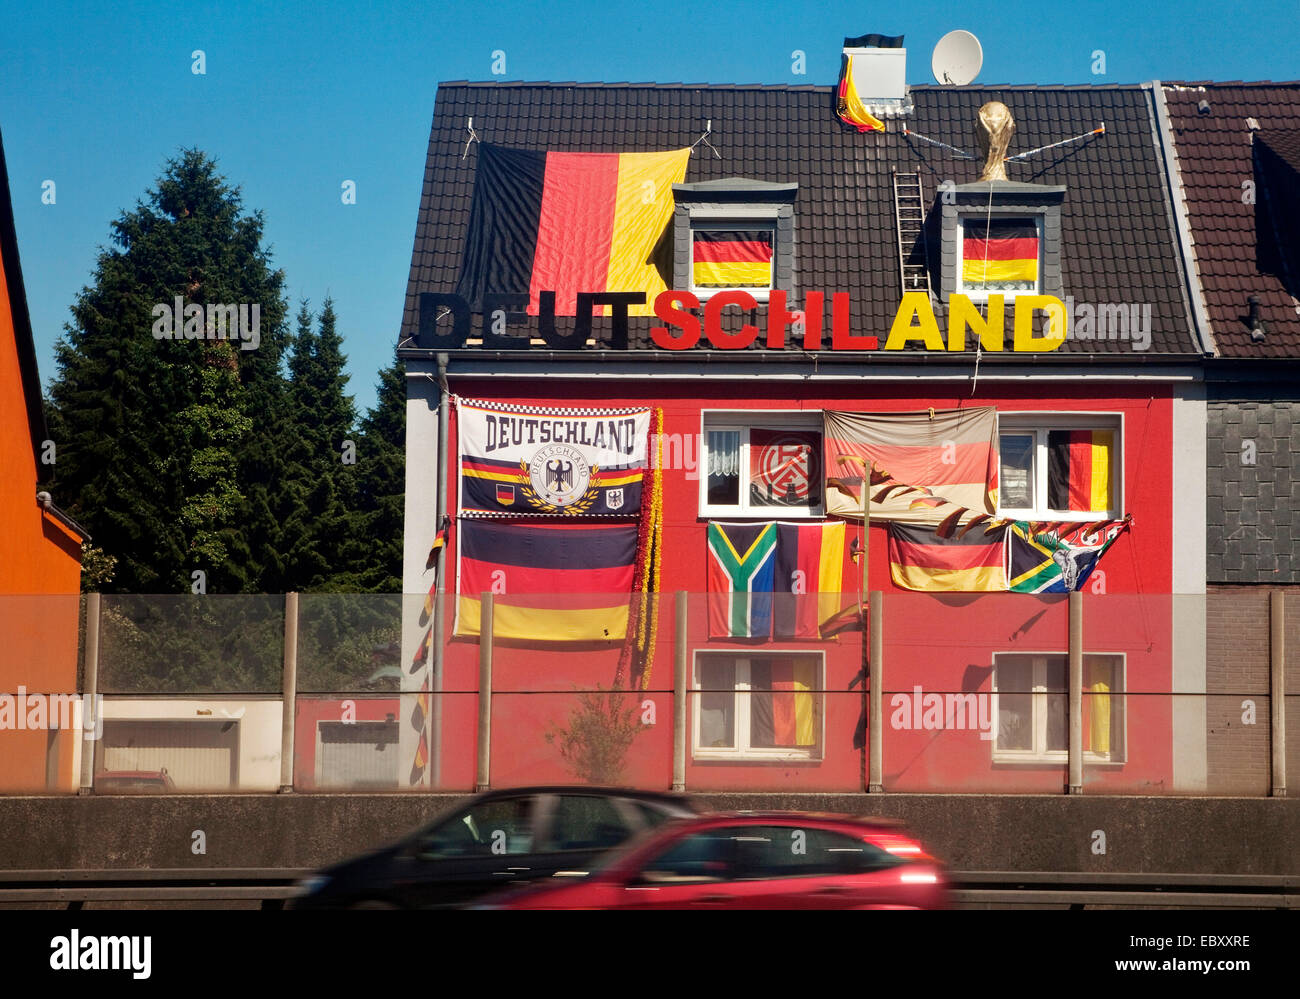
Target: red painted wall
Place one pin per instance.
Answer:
(942, 643)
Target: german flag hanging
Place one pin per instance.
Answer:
(568, 222)
(781, 704)
(921, 560)
(555, 583)
(732, 258)
(1078, 470)
(849, 105)
(999, 255)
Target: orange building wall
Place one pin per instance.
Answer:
(40, 582)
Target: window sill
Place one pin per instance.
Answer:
(1056, 759)
(704, 294)
(1050, 516)
(982, 297)
(751, 756)
(761, 515)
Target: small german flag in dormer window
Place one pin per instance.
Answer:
(731, 258)
(1000, 255)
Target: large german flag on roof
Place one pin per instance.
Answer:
(568, 222)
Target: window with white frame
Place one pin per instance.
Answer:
(1060, 467)
(999, 256)
(1031, 707)
(761, 465)
(755, 705)
(733, 256)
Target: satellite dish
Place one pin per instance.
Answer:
(957, 58)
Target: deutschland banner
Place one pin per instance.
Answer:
(550, 583)
(568, 222)
(921, 560)
(523, 460)
(950, 458)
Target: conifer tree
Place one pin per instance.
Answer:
(381, 481)
(165, 445)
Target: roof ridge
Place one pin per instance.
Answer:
(1188, 84)
(804, 87)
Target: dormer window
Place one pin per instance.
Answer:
(1002, 238)
(734, 235)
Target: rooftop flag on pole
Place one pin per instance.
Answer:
(921, 560)
(742, 570)
(567, 222)
(938, 464)
(552, 583)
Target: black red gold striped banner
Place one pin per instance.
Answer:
(568, 222)
(726, 258)
(921, 560)
(1079, 470)
(999, 255)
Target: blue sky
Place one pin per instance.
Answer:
(299, 98)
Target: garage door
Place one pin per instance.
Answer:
(357, 754)
(198, 755)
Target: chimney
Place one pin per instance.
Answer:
(879, 71)
(1256, 325)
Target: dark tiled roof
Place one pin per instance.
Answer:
(1232, 237)
(1117, 242)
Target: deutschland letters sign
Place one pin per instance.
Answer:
(688, 324)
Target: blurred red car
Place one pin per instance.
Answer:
(779, 860)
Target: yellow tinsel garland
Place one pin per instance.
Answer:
(648, 632)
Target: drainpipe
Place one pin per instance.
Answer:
(439, 603)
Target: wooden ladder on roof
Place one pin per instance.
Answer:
(909, 216)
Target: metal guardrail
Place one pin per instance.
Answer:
(270, 886)
(1057, 889)
(1014, 889)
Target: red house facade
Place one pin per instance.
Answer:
(785, 217)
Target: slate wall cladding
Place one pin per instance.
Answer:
(1253, 511)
